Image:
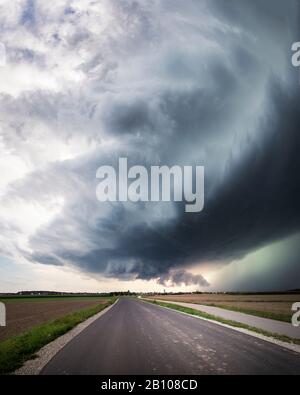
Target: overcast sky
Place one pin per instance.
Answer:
(161, 82)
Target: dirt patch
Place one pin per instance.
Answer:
(22, 316)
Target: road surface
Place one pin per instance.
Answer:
(135, 337)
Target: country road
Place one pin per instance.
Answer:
(136, 337)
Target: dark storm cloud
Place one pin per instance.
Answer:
(273, 268)
(256, 203)
(209, 84)
(180, 277)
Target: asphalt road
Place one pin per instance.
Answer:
(136, 337)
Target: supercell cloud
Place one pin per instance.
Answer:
(162, 83)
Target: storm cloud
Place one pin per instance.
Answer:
(162, 83)
(179, 277)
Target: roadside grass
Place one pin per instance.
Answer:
(235, 324)
(18, 349)
(263, 314)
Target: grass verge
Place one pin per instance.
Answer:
(235, 324)
(18, 349)
(263, 314)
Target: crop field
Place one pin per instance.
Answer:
(27, 312)
(269, 306)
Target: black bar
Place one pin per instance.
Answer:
(126, 384)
